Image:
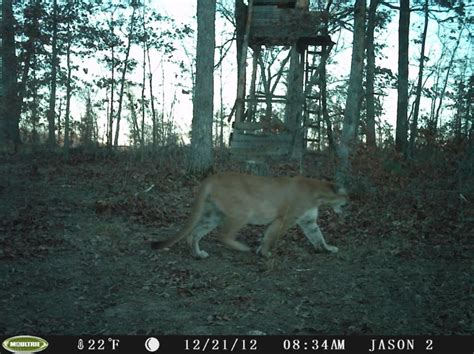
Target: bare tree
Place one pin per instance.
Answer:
(201, 135)
(240, 23)
(354, 94)
(154, 118)
(51, 115)
(446, 78)
(401, 130)
(370, 74)
(33, 33)
(294, 103)
(124, 73)
(9, 110)
(419, 85)
(110, 124)
(323, 82)
(67, 124)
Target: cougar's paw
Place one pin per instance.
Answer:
(332, 249)
(201, 254)
(262, 252)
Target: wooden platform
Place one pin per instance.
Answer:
(271, 25)
(254, 145)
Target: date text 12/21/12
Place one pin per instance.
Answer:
(221, 344)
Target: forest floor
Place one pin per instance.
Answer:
(75, 256)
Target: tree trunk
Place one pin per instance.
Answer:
(370, 75)
(58, 122)
(242, 47)
(54, 62)
(111, 108)
(354, 93)
(9, 111)
(152, 100)
(324, 103)
(3, 111)
(33, 86)
(240, 21)
(469, 114)
(323, 87)
(28, 53)
(134, 120)
(460, 106)
(201, 135)
(402, 100)
(432, 124)
(446, 79)
(110, 124)
(142, 138)
(124, 74)
(87, 135)
(294, 102)
(163, 130)
(221, 110)
(252, 104)
(67, 141)
(419, 85)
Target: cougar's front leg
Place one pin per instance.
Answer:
(313, 233)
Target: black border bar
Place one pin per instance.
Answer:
(118, 344)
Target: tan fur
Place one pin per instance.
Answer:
(235, 200)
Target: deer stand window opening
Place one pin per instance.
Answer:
(271, 121)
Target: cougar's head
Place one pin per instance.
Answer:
(338, 199)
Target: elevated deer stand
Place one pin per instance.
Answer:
(278, 23)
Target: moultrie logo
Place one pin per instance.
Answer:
(25, 344)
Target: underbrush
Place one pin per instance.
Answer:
(77, 231)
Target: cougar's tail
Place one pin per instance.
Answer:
(196, 213)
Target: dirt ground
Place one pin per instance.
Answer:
(75, 259)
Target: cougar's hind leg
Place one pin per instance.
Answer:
(208, 222)
(273, 231)
(229, 233)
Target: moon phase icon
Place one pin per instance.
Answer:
(152, 344)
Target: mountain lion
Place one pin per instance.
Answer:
(237, 200)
